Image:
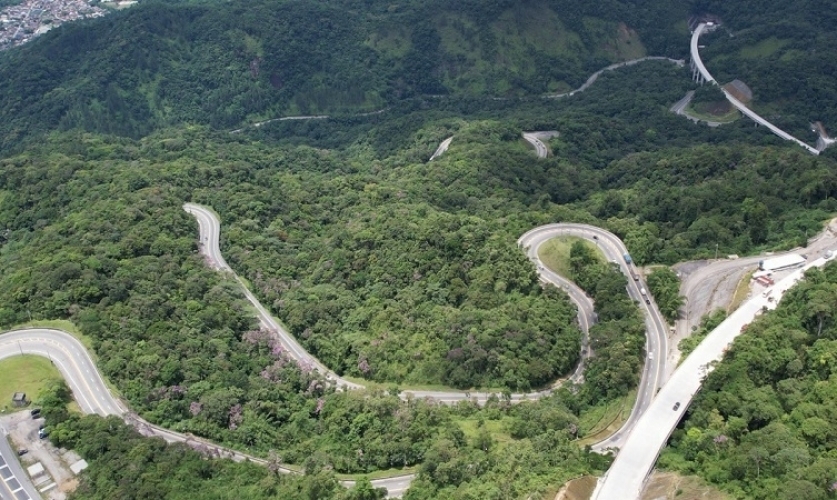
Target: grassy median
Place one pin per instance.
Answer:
(27, 374)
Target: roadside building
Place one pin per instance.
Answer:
(19, 399)
(789, 261)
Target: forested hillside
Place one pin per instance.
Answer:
(786, 52)
(385, 266)
(225, 64)
(763, 425)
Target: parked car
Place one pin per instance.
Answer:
(22, 452)
(42, 433)
(35, 412)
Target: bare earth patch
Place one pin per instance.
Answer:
(578, 489)
(673, 486)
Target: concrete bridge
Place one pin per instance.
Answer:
(701, 74)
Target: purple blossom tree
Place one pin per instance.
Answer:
(363, 365)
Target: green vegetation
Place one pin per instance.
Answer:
(764, 48)
(717, 112)
(618, 337)
(124, 464)
(386, 267)
(786, 52)
(600, 421)
(96, 234)
(664, 286)
(709, 103)
(540, 456)
(707, 324)
(228, 64)
(763, 424)
(742, 291)
(555, 254)
(28, 374)
(362, 257)
(463, 462)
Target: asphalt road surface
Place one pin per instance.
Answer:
(710, 285)
(14, 482)
(442, 148)
(210, 229)
(536, 140)
(627, 474)
(656, 332)
(93, 395)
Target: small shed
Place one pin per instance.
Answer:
(19, 399)
(35, 469)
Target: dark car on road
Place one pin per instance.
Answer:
(676, 406)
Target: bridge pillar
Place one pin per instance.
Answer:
(697, 76)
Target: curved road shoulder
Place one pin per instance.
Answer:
(695, 52)
(626, 476)
(654, 368)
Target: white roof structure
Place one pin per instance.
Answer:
(35, 470)
(78, 466)
(783, 262)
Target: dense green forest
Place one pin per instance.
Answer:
(786, 52)
(94, 232)
(763, 425)
(385, 266)
(500, 449)
(125, 464)
(664, 286)
(225, 64)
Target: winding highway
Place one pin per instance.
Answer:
(210, 234)
(595, 76)
(540, 148)
(614, 249)
(627, 474)
(93, 395)
(210, 229)
(706, 76)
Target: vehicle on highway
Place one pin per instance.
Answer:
(644, 294)
(676, 406)
(628, 259)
